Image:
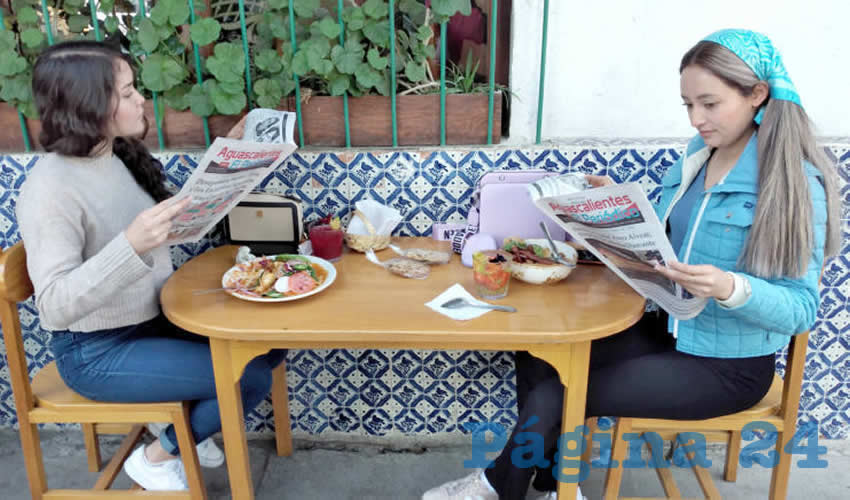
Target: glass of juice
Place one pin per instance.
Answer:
(491, 274)
(326, 242)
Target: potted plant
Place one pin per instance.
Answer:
(329, 62)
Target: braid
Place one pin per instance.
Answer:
(146, 169)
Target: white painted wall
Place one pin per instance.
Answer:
(612, 65)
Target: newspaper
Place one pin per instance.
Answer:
(618, 225)
(229, 170)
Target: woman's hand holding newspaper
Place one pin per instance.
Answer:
(702, 280)
(599, 180)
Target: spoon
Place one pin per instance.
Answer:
(459, 302)
(556, 255)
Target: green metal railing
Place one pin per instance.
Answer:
(346, 115)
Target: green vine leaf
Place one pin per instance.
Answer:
(205, 31)
(111, 24)
(448, 8)
(32, 37)
(268, 93)
(375, 59)
(160, 73)
(106, 6)
(367, 76)
(305, 8)
(268, 60)
(339, 84)
(225, 102)
(423, 33)
(376, 9)
(347, 59)
(327, 27)
(148, 35)
(228, 63)
(16, 88)
(354, 19)
(10, 66)
(414, 71)
(279, 4)
(199, 100)
(378, 32)
(299, 63)
(73, 4)
(414, 9)
(7, 41)
(28, 16)
(174, 12)
(175, 98)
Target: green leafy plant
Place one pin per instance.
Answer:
(20, 41)
(328, 59)
(357, 65)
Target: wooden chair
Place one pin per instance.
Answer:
(47, 399)
(778, 407)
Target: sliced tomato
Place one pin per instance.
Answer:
(301, 282)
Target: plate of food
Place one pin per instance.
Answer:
(278, 278)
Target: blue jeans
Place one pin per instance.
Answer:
(156, 361)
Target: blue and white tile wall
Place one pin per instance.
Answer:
(387, 395)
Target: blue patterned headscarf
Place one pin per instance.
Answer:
(762, 57)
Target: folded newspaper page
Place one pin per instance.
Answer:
(618, 225)
(230, 169)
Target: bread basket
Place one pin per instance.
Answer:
(363, 242)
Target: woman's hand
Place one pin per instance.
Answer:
(238, 130)
(599, 180)
(702, 280)
(150, 228)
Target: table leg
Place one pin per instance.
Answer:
(229, 394)
(572, 366)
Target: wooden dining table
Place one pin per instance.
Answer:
(369, 307)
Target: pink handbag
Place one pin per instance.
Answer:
(501, 207)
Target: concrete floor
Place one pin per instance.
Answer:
(351, 471)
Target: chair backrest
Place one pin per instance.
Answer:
(15, 286)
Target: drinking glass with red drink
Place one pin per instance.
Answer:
(326, 239)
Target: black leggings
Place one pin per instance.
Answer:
(635, 373)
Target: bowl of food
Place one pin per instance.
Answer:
(532, 262)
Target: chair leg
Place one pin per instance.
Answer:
(31, 447)
(280, 404)
(779, 477)
(92, 447)
(733, 449)
(592, 427)
(614, 475)
(113, 468)
(189, 453)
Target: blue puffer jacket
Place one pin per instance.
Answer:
(719, 224)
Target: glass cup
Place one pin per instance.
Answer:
(491, 273)
(326, 242)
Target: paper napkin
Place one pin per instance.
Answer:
(463, 313)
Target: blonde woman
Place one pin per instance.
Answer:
(751, 210)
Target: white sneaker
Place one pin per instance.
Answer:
(553, 495)
(164, 476)
(209, 454)
(471, 487)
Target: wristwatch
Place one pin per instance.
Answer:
(740, 293)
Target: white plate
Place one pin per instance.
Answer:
(327, 266)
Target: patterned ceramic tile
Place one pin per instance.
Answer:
(371, 393)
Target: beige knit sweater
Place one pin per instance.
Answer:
(72, 214)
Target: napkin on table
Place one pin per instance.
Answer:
(463, 313)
